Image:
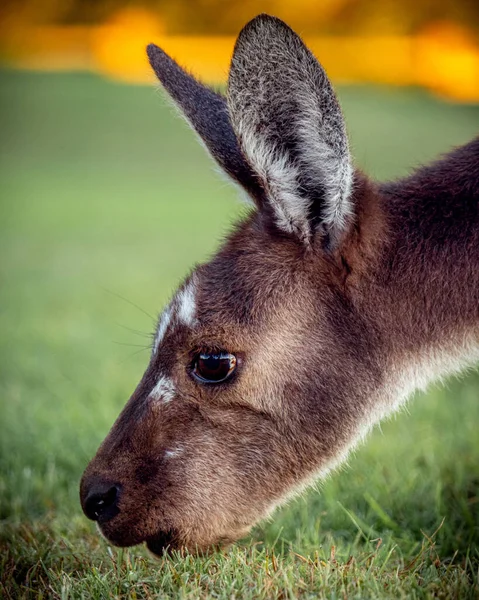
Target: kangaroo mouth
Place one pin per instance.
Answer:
(162, 543)
(158, 545)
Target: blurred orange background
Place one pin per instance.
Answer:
(407, 42)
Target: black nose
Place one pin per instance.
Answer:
(100, 500)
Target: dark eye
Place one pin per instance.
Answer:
(213, 368)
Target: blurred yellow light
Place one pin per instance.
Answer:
(442, 58)
(447, 61)
(118, 47)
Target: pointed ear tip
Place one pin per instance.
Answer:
(265, 18)
(157, 56)
(264, 24)
(152, 50)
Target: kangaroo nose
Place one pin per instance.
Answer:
(100, 500)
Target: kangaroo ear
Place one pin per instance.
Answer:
(290, 128)
(207, 113)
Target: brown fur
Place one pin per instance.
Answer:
(327, 335)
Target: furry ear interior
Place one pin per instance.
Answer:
(207, 112)
(290, 129)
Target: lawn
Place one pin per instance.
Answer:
(106, 201)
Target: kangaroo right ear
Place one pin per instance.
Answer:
(207, 113)
(290, 128)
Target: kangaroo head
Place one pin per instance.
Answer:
(263, 363)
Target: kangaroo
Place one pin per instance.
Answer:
(321, 313)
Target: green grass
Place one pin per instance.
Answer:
(106, 201)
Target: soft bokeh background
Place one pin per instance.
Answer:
(397, 42)
(106, 201)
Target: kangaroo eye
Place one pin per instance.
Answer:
(213, 368)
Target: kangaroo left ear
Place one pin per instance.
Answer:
(207, 113)
(291, 130)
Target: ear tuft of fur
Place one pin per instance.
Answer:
(207, 113)
(290, 128)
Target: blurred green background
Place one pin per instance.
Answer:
(106, 201)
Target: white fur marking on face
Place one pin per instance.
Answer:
(164, 390)
(174, 453)
(162, 327)
(187, 303)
